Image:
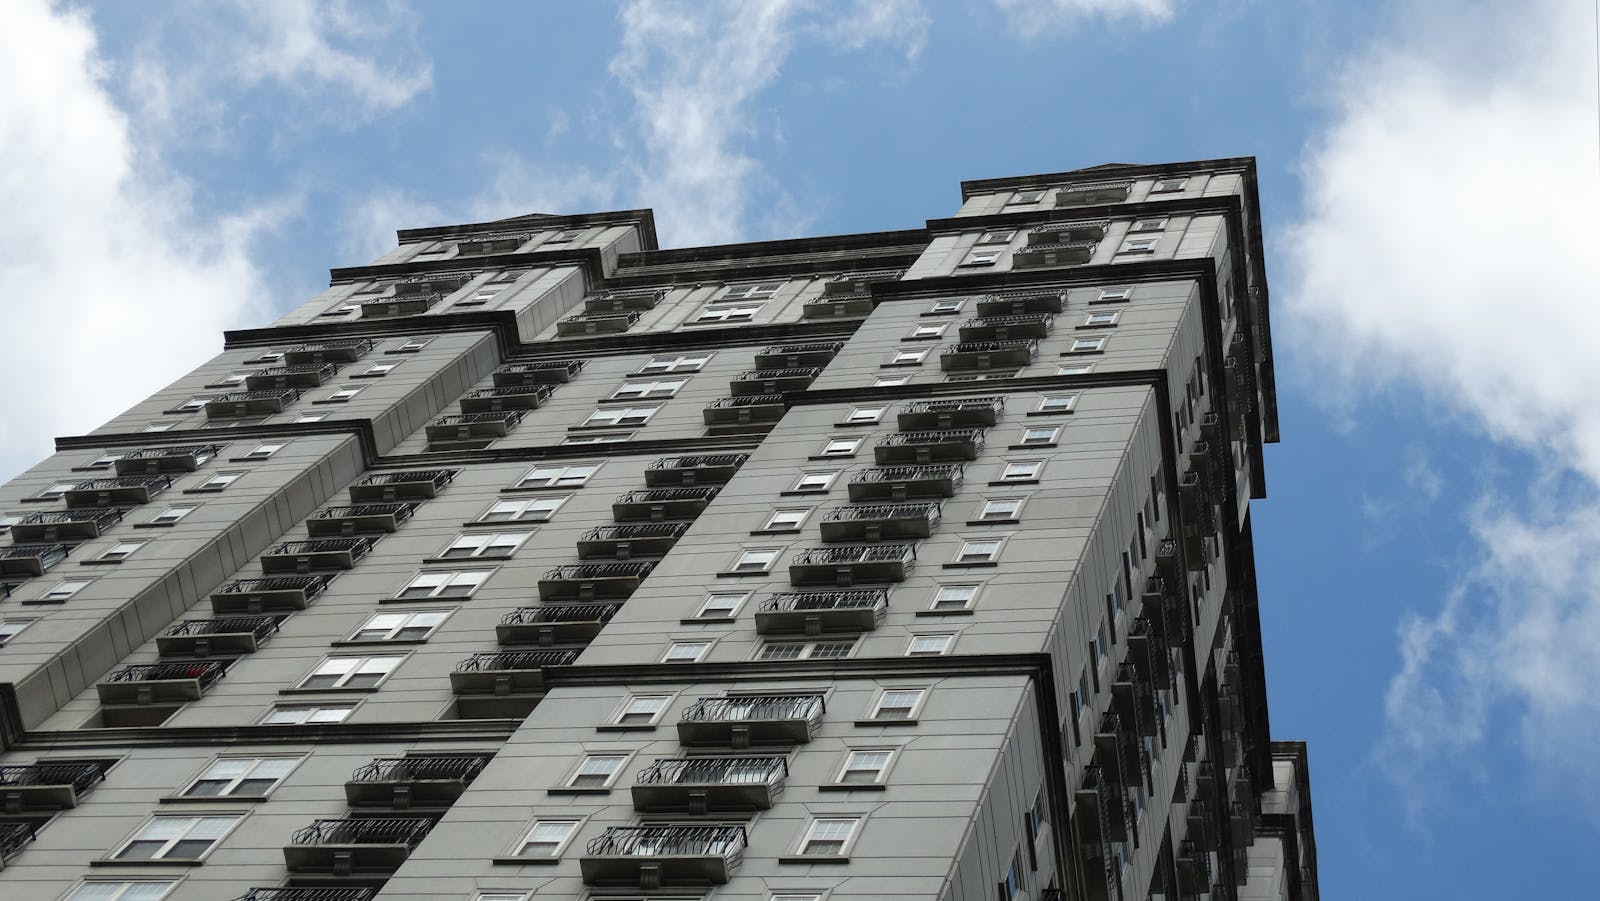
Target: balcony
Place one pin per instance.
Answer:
(482, 245)
(152, 683)
(356, 519)
(838, 306)
(238, 404)
(71, 525)
(733, 414)
(702, 785)
(1100, 192)
(118, 491)
(361, 848)
(30, 560)
(417, 484)
(693, 469)
(795, 356)
(621, 301)
(472, 427)
(848, 565)
(308, 894)
(300, 557)
(228, 636)
(156, 460)
(747, 720)
(545, 372)
(505, 672)
(822, 612)
(877, 522)
(597, 323)
(405, 782)
(281, 595)
(304, 375)
(1148, 651)
(437, 283)
(630, 540)
(13, 838)
(1064, 253)
(1194, 868)
(554, 624)
(988, 354)
(1017, 303)
(653, 856)
(773, 381)
(859, 281)
(955, 413)
(937, 446)
(1132, 700)
(495, 400)
(46, 787)
(899, 483)
(591, 581)
(1118, 751)
(1001, 328)
(348, 350)
(660, 504)
(1097, 806)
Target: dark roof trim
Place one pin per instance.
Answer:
(1019, 182)
(1191, 206)
(731, 253)
(587, 258)
(643, 219)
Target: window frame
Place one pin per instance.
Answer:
(879, 775)
(1148, 225)
(574, 824)
(397, 633)
(1093, 345)
(1074, 368)
(1006, 474)
(11, 628)
(890, 381)
(996, 509)
(810, 837)
(736, 311)
(1170, 185)
(730, 611)
(542, 507)
(607, 780)
(749, 291)
(879, 707)
(563, 477)
(241, 779)
(996, 236)
(965, 557)
(1057, 403)
(1138, 245)
(981, 256)
(1114, 294)
(1027, 197)
(809, 648)
(620, 417)
(940, 604)
(908, 357)
(828, 477)
(704, 644)
(949, 307)
(443, 590)
(120, 551)
(947, 644)
(122, 887)
(848, 446)
(263, 451)
(680, 363)
(620, 717)
(650, 390)
(479, 545)
(1039, 436)
(865, 415)
(220, 480)
(747, 561)
(412, 345)
(1101, 319)
(927, 331)
(342, 681)
(163, 852)
(343, 394)
(310, 719)
(787, 519)
(78, 586)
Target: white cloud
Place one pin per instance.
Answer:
(365, 50)
(110, 285)
(1037, 18)
(1448, 243)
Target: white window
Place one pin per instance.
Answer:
(128, 890)
(898, 703)
(841, 447)
(1001, 508)
(602, 438)
(55, 491)
(597, 770)
(120, 551)
(301, 714)
(400, 626)
(1169, 185)
(865, 414)
(787, 519)
(351, 672)
(924, 332)
(1117, 294)
(537, 509)
(815, 481)
(954, 597)
(1040, 435)
(344, 309)
(1057, 403)
(412, 345)
(865, 766)
(378, 369)
(641, 710)
(944, 307)
(930, 644)
(342, 395)
(176, 838)
(685, 651)
(620, 416)
(884, 381)
(676, 363)
(558, 476)
(1025, 197)
(171, 515)
(750, 292)
(829, 837)
(1021, 470)
(978, 551)
(805, 650)
(252, 776)
(908, 357)
(1101, 319)
(1148, 225)
(10, 627)
(220, 480)
(721, 604)
(1138, 245)
(758, 560)
(271, 356)
(459, 584)
(998, 236)
(7, 520)
(158, 427)
(485, 544)
(1075, 369)
(193, 403)
(105, 460)
(984, 257)
(546, 839)
(311, 417)
(64, 589)
(478, 298)
(661, 388)
(263, 451)
(565, 237)
(1088, 345)
(743, 312)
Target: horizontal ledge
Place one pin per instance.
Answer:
(813, 860)
(578, 790)
(865, 723)
(853, 787)
(523, 861)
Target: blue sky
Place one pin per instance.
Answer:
(1429, 551)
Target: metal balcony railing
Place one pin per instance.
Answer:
(310, 586)
(727, 842)
(951, 471)
(437, 478)
(347, 349)
(542, 392)
(152, 484)
(540, 372)
(204, 672)
(1030, 345)
(747, 400)
(399, 511)
(804, 372)
(629, 315)
(715, 771)
(264, 394)
(851, 282)
(700, 461)
(1014, 302)
(1100, 191)
(407, 831)
(874, 599)
(856, 553)
(308, 894)
(1021, 325)
(103, 517)
(560, 613)
(637, 299)
(83, 777)
(971, 439)
(745, 708)
(831, 347)
(662, 495)
(200, 452)
(13, 838)
(259, 626)
(860, 512)
(356, 547)
(508, 418)
(31, 559)
(993, 404)
(1080, 230)
(496, 661)
(635, 530)
(418, 769)
(322, 370)
(583, 572)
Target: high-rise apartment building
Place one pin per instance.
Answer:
(532, 561)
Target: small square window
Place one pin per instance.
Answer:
(888, 381)
(1148, 225)
(176, 838)
(840, 447)
(236, 776)
(565, 237)
(865, 415)
(978, 552)
(1075, 369)
(1088, 345)
(1039, 436)
(64, 589)
(760, 291)
(786, 520)
(478, 299)
(378, 370)
(1169, 185)
(829, 837)
(954, 597)
(655, 389)
(159, 427)
(263, 451)
(1057, 403)
(676, 363)
(755, 561)
(608, 417)
(342, 395)
(351, 672)
(641, 710)
(302, 714)
(908, 357)
(865, 767)
(998, 236)
(344, 309)
(171, 515)
(685, 651)
(1101, 318)
(597, 771)
(728, 313)
(271, 356)
(538, 509)
(194, 403)
(1002, 509)
(1138, 245)
(104, 461)
(311, 417)
(485, 544)
(1021, 471)
(946, 307)
(558, 476)
(1022, 197)
(120, 551)
(1118, 294)
(805, 650)
(930, 645)
(456, 584)
(927, 332)
(219, 481)
(815, 481)
(412, 345)
(400, 626)
(983, 257)
(722, 604)
(898, 703)
(231, 380)
(55, 491)
(10, 627)
(546, 839)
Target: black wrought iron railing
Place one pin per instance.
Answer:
(973, 437)
(48, 555)
(956, 405)
(560, 613)
(259, 626)
(542, 392)
(854, 599)
(359, 345)
(756, 375)
(748, 400)
(951, 471)
(862, 512)
(201, 452)
(630, 315)
(206, 672)
(744, 708)
(569, 367)
(437, 477)
(104, 517)
(727, 842)
(323, 370)
(408, 831)
(13, 838)
(236, 397)
(694, 461)
(495, 661)
(661, 495)
(508, 417)
(311, 586)
(152, 484)
(715, 771)
(830, 347)
(1031, 345)
(81, 776)
(857, 553)
(356, 547)
(400, 511)
(292, 893)
(419, 769)
(635, 530)
(581, 572)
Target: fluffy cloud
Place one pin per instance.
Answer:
(299, 43)
(1447, 243)
(1037, 18)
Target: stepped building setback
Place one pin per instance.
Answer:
(534, 561)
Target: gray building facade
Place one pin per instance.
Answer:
(532, 560)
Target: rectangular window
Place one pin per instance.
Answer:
(104, 461)
(755, 561)
(1118, 294)
(485, 544)
(459, 584)
(619, 416)
(637, 390)
(10, 627)
(786, 520)
(1169, 185)
(538, 509)
(641, 710)
(829, 837)
(376, 370)
(1148, 225)
(886, 381)
(412, 345)
(1057, 403)
(1039, 436)
(546, 838)
(865, 766)
(603, 438)
(400, 626)
(760, 291)
(597, 770)
(908, 357)
(342, 395)
(1138, 245)
(158, 427)
(351, 672)
(1021, 197)
(220, 480)
(946, 307)
(898, 703)
(954, 597)
(1075, 369)
(805, 650)
(263, 451)
(1088, 345)
(130, 890)
(301, 714)
(722, 604)
(685, 651)
(815, 481)
(192, 404)
(840, 447)
(978, 552)
(984, 257)
(64, 589)
(1021, 471)
(558, 476)
(250, 776)
(928, 332)
(120, 551)
(344, 309)
(930, 645)
(54, 492)
(1101, 319)
(1001, 509)
(743, 312)
(865, 415)
(311, 417)
(676, 363)
(998, 236)
(176, 838)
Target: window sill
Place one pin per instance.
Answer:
(853, 787)
(99, 562)
(38, 500)
(943, 613)
(1049, 413)
(742, 575)
(524, 861)
(831, 457)
(923, 338)
(707, 620)
(794, 531)
(213, 799)
(153, 525)
(993, 522)
(578, 790)
(1003, 482)
(482, 558)
(202, 491)
(643, 399)
(432, 600)
(847, 424)
(368, 375)
(329, 400)
(162, 862)
(868, 723)
(533, 489)
(34, 602)
(327, 691)
(905, 365)
(975, 564)
(249, 459)
(614, 427)
(1091, 328)
(1024, 447)
(378, 642)
(797, 492)
(1109, 301)
(803, 859)
(626, 727)
(1082, 353)
(404, 350)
